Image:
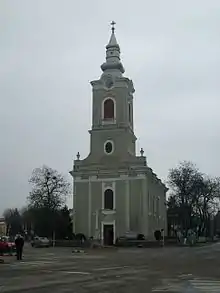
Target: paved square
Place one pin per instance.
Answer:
(114, 270)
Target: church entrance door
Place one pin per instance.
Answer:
(108, 234)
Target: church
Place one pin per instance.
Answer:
(114, 190)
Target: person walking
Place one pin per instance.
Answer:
(179, 237)
(19, 243)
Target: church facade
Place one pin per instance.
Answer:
(115, 191)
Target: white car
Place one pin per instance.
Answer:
(40, 242)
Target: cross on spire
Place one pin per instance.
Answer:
(113, 23)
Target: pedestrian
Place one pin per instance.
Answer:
(179, 236)
(19, 243)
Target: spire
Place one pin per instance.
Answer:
(112, 41)
(113, 65)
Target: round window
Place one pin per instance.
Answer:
(108, 147)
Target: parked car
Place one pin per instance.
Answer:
(40, 242)
(7, 245)
(3, 246)
(130, 238)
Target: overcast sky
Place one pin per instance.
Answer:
(49, 52)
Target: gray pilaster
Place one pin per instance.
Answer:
(127, 205)
(74, 206)
(145, 206)
(89, 208)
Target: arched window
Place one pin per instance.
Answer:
(109, 109)
(108, 199)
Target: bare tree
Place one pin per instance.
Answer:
(48, 196)
(49, 189)
(186, 183)
(195, 196)
(208, 200)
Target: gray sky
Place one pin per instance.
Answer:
(50, 50)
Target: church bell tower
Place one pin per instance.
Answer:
(112, 112)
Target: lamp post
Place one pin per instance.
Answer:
(163, 237)
(54, 229)
(54, 179)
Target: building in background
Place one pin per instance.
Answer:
(3, 227)
(115, 191)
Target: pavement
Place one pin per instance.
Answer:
(168, 269)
